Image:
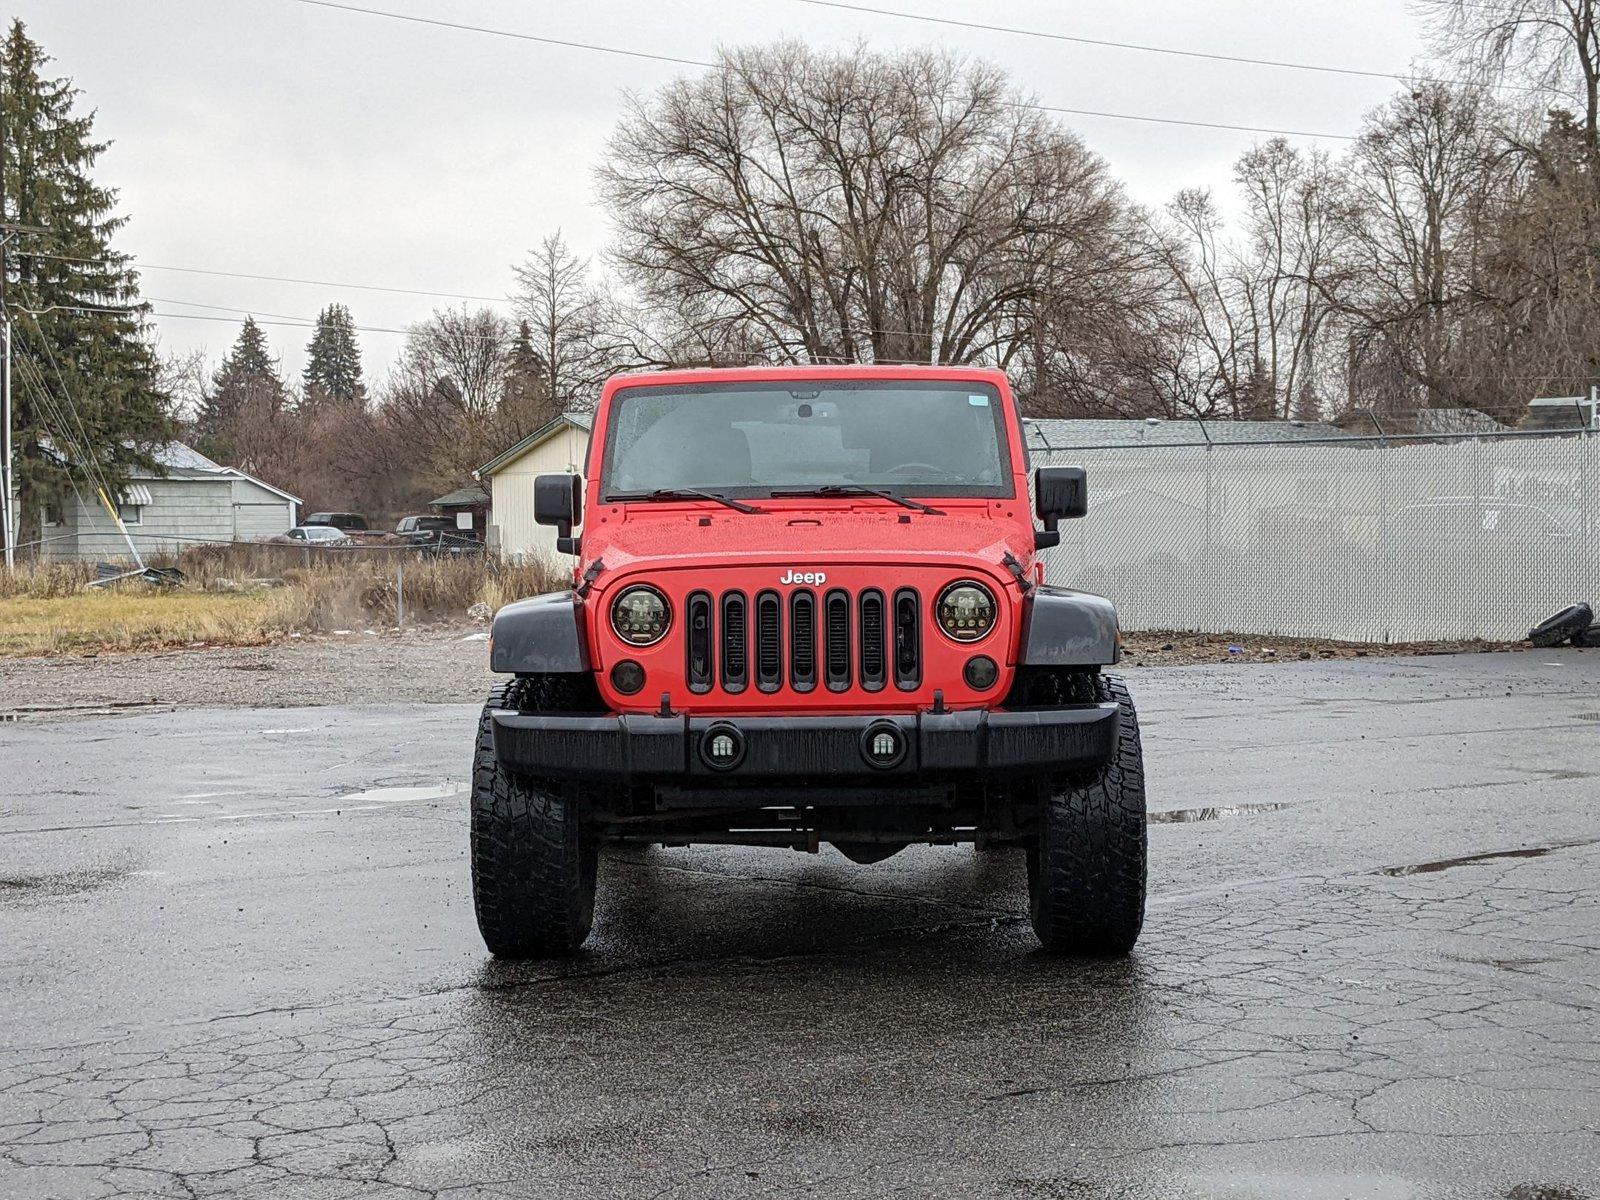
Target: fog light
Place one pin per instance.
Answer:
(980, 673)
(722, 746)
(883, 744)
(627, 677)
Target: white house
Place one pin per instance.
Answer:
(555, 448)
(192, 501)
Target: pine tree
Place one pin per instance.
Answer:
(247, 385)
(527, 398)
(333, 363)
(1256, 397)
(87, 410)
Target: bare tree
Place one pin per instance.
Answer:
(456, 399)
(1259, 307)
(1296, 221)
(461, 353)
(863, 207)
(1535, 327)
(1549, 46)
(1424, 181)
(575, 327)
(182, 378)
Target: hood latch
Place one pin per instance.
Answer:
(1012, 564)
(589, 576)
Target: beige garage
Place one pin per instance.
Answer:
(557, 447)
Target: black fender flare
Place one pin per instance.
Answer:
(1064, 628)
(542, 635)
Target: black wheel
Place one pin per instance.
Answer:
(1086, 869)
(533, 864)
(1588, 637)
(1566, 624)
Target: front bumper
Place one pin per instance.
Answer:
(927, 747)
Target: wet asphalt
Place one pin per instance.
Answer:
(238, 958)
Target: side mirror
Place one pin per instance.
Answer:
(1059, 493)
(558, 501)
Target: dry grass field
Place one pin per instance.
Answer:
(245, 596)
(119, 619)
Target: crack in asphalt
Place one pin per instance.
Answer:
(737, 1034)
(336, 1103)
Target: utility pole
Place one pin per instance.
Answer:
(7, 499)
(7, 502)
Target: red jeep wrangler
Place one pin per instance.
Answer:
(808, 608)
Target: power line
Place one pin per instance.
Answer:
(1049, 35)
(715, 66)
(230, 308)
(510, 33)
(81, 450)
(364, 287)
(1116, 116)
(288, 322)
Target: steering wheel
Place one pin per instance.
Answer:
(918, 468)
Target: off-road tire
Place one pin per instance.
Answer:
(1589, 637)
(533, 864)
(1086, 869)
(1566, 625)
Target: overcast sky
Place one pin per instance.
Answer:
(275, 138)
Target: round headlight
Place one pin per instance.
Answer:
(965, 611)
(640, 616)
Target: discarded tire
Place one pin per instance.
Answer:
(1588, 637)
(1564, 626)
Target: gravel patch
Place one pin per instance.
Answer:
(431, 666)
(1165, 648)
(444, 666)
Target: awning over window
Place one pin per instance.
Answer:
(136, 493)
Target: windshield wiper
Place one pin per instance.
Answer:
(860, 489)
(687, 494)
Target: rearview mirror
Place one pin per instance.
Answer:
(1059, 493)
(558, 501)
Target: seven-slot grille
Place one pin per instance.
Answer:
(834, 639)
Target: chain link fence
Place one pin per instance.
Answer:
(1363, 540)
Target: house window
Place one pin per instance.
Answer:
(131, 514)
(52, 514)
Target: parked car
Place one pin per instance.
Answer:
(1445, 518)
(438, 534)
(348, 522)
(313, 535)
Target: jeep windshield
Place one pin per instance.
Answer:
(838, 437)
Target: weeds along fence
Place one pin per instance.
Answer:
(1365, 539)
(316, 588)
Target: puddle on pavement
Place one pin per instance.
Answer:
(101, 708)
(405, 795)
(1185, 816)
(60, 883)
(1247, 1186)
(1467, 860)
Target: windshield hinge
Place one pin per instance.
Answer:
(589, 576)
(1013, 565)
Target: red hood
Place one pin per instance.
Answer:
(801, 535)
